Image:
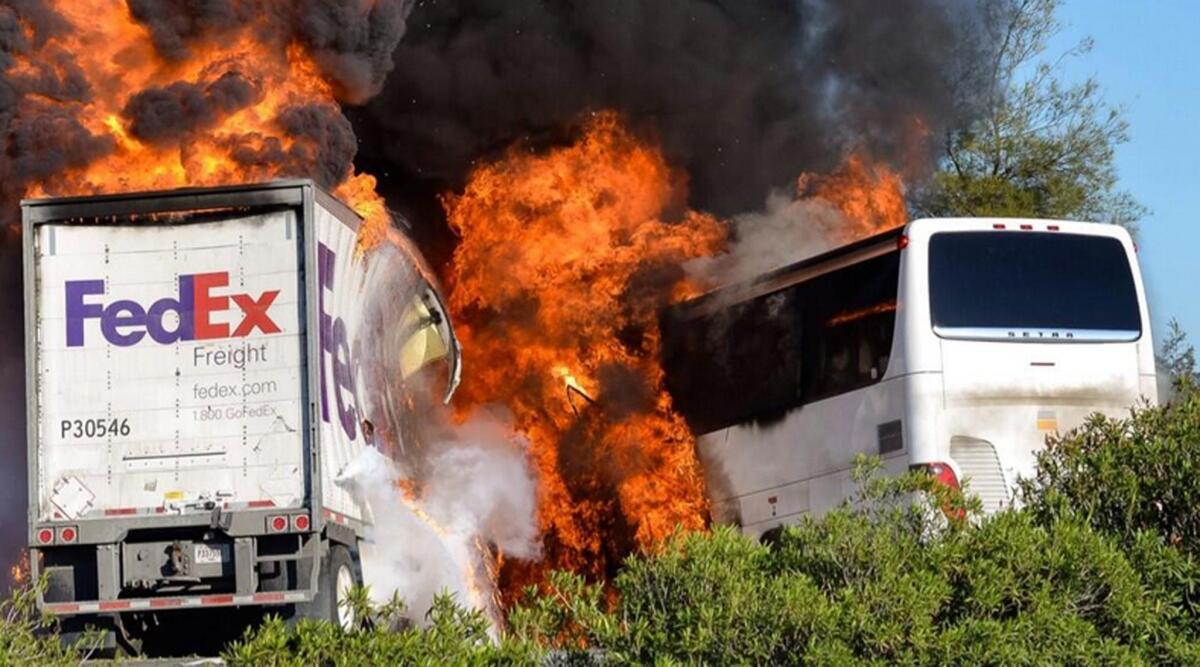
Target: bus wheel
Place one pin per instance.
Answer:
(339, 576)
(772, 537)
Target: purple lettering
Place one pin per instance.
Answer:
(325, 263)
(78, 311)
(343, 379)
(335, 343)
(123, 314)
(184, 310)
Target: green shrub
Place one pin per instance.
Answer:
(1126, 476)
(1137, 479)
(453, 635)
(881, 581)
(27, 637)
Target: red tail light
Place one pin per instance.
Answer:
(998, 226)
(45, 536)
(301, 522)
(1053, 228)
(68, 535)
(902, 242)
(943, 473)
(1027, 227)
(277, 524)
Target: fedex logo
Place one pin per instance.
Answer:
(335, 344)
(125, 322)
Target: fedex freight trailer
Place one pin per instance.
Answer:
(201, 367)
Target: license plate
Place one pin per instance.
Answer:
(211, 554)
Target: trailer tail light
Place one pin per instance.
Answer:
(1027, 227)
(68, 534)
(301, 523)
(277, 524)
(45, 536)
(999, 226)
(1053, 228)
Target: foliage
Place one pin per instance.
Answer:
(1038, 147)
(879, 581)
(1138, 480)
(1177, 359)
(1126, 476)
(27, 636)
(452, 635)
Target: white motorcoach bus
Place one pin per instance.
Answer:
(957, 345)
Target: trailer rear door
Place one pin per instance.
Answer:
(170, 366)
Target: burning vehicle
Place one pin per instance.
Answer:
(952, 345)
(203, 366)
(577, 168)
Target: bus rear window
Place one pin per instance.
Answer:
(1032, 285)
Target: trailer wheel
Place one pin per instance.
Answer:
(339, 575)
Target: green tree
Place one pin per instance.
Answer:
(1038, 147)
(1177, 359)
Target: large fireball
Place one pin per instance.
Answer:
(564, 260)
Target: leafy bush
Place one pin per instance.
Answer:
(27, 636)
(1126, 476)
(881, 581)
(453, 635)
(1138, 480)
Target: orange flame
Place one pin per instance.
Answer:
(870, 196)
(862, 313)
(563, 262)
(117, 60)
(19, 573)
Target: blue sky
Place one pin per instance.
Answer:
(1147, 59)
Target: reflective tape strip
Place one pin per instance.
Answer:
(342, 519)
(225, 600)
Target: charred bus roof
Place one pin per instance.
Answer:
(790, 274)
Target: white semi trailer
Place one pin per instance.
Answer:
(200, 366)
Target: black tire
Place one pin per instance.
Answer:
(337, 566)
(772, 537)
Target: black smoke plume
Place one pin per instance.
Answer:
(743, 95)
(164, 113)
(352, 47)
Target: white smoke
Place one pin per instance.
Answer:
(477, 492)
(786, 231)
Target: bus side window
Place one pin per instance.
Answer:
(850, 321)
(735, 364)
(754, 360)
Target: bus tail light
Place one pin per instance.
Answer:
(943, 473)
